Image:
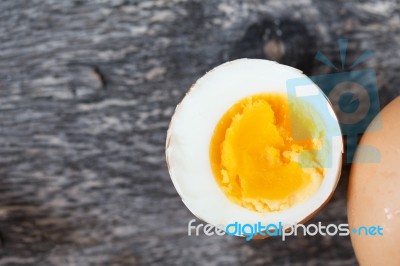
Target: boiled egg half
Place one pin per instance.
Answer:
(241, 148)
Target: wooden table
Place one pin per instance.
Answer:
(87, 89)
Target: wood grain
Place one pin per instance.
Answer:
(87, 89)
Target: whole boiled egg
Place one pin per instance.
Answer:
(242, 148)
(374, 191)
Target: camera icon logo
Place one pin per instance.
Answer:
(354, 98)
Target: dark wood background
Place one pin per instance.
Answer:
(87, 89)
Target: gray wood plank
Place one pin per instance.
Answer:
(87, 89)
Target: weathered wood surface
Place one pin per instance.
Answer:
(87, 89)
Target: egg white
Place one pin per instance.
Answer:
(192, 127)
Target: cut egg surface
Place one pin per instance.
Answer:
(239, 149)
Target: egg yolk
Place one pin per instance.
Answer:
(254, 157)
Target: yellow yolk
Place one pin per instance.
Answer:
(254, 156)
